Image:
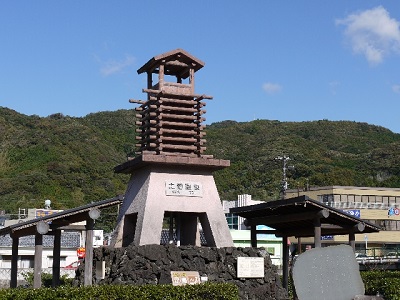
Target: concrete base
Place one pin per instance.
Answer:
(147, 201)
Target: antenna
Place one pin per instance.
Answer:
(284, 183)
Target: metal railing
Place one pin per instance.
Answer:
(361, 205)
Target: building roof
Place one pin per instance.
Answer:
(177, 62)
(295, 217)
(68, 240)
(60, 219)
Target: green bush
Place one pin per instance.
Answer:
(218, 291)
(385, 282)
(47, 279)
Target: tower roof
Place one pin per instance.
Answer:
(177, 62)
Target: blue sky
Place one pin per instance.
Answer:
(276, 60)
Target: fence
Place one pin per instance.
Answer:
(5, 273)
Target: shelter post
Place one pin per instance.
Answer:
(285, 254)
(359, 227)
(253, 235)
(56, 258)
(37, 271)
(299, 245)
(352, 240)
(89, 252)
(14, 261)
(317, 232)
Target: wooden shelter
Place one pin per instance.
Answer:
(301, 217)
(53, 225)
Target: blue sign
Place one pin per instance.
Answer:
(327, 238)
(393, 211)
(353, 212)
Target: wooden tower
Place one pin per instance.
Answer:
(170, 175)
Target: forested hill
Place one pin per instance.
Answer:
(70, 160)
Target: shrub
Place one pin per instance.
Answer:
(215, 291)
(47, 279)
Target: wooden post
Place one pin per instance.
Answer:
(253, 235)
(149, 80)
(161, 77)
(317, 232)
(56, 258)
(14, 262)
(359, 227)
(191, 80)
(352, 240)
(299, 245)
(89, 252)
(285, 254)
(37, 271)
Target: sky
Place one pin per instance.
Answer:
(283, 60)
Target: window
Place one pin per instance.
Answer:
(271, 250)
(27, 261)
(6, 261)
(233, 221)
(63, 260)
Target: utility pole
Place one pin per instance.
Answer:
(284, 184)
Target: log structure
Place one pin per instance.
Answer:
(170, 120)
(171, 177)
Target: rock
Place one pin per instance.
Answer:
(152, 264)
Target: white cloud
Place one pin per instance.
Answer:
(271, 88)
(112, 66)
(372, 33)
(396, 88)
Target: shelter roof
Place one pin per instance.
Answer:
(295, 217)
(69, 239)
(59, 219)
(177, 62)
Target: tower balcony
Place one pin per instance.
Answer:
(175, 88)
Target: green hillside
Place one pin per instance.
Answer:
(67, 160)
(322, 152)
(70, 160)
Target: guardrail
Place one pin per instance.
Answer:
(377, 260)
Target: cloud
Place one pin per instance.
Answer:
(396, 88)
(271, 88)
(112, 66)
(372, 33)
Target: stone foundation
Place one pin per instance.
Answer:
(152, 264)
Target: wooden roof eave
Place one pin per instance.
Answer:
(68, 216)
(326, 229)
(172, 55)
(295, 217)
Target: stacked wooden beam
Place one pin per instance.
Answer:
(171, 124)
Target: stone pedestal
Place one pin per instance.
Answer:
(163, 185)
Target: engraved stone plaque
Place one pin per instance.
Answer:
(183, 188)
(250, 267)
(185, 277)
